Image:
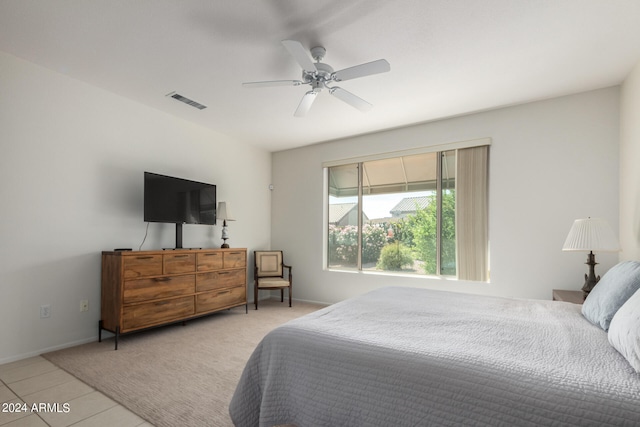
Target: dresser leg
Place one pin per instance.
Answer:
(117, 336)
(100, 330)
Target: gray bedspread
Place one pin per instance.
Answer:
(415, 357)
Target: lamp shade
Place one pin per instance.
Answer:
(224, 212)
(591, 234)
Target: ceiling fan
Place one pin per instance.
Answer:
(319, 75)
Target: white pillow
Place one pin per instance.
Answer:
(613, 290)
(624, 331)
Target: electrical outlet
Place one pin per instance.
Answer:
(45, 311)
(84, 305)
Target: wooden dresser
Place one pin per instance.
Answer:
(144, 289)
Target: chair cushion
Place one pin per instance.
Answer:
(272, 282)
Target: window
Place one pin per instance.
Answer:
(402, 214)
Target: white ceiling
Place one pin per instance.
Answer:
(448, 57)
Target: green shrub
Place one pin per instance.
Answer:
(424, 229)
(394, 256)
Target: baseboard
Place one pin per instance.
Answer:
(277, 297)
(107, 334)
(311, 301)
(47, 350)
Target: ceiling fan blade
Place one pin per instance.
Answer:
(305, 103)
(350, 99)
(300, 54)
(362, 70)
(273, 83)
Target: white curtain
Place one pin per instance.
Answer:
(472, 228)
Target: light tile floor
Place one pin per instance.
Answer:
(36, 393)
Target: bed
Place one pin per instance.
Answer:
(414, 357)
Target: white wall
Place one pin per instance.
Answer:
(629, 169)
(550, 162)
(71, 169)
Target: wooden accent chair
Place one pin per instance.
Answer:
(269, 274)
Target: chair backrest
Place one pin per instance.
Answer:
(268, 263)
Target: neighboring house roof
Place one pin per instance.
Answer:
(340, 210)
(409, 204)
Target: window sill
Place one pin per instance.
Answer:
(392, 274)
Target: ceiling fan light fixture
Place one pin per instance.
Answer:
(318, 74)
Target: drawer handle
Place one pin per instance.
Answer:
(144, 257)
(211, 254)
(221, 273)
(223, 292)
(180, 256)
(162, 302)
(162, 279)
(234, 253)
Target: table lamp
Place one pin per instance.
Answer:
(588, 235)
(224, 213)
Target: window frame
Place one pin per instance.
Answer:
(440, 148)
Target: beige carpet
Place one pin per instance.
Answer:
(179, 375)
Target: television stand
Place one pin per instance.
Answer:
(145, 289)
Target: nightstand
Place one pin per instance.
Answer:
(576, 297)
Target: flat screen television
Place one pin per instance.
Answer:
(179, 201)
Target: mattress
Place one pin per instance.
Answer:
(415, 357)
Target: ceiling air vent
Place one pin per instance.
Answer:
(187, 100)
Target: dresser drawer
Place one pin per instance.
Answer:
(158, 312)
(179, 263)
(142, 265)
(235, 259)
(220, 279)
(217, 300)
(207, 261)
(141, 290)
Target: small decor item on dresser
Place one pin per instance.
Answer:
(588, 235)
(224, 213)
